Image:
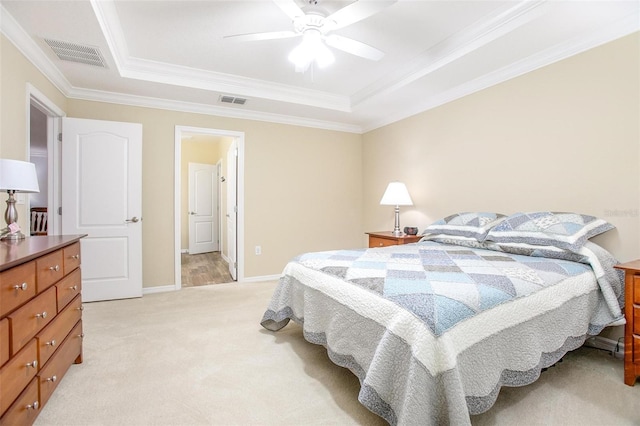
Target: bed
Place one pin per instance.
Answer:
(434, 329)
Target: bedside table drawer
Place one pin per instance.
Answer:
(636, 289)
(381, 242)
(636, 320)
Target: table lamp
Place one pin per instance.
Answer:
(15, 176)
(396, 195)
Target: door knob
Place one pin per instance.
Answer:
(193, 213)
(133, 219)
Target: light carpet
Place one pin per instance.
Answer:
(200, 357)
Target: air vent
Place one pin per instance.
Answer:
(77, 53)
(228, 99)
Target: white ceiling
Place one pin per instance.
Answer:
(172, 54)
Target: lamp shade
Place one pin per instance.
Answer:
(396, 195)
(19, 176)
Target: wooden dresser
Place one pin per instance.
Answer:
(386, 238)
(40, 322)
(632, 315)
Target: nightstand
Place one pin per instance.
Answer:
(632, 315)
(386, 238)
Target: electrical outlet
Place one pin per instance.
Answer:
(258, 250)
(20, 198)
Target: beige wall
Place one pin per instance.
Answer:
(15, 73)
(302, 185)
(562, 138)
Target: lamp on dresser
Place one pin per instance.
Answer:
(397, 195)
(15, 176)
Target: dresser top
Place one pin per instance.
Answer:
(13, 253)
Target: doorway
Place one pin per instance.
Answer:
(44, 118)
(200, 146)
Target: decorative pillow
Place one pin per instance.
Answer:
(563, 230)
(455, 240)
(523, 249)
(470, 224)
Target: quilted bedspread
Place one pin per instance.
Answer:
(433, 331)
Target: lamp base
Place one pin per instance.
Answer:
(396, 228)
(6, 235)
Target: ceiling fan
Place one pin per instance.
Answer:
(313, 23)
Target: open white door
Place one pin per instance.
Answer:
(203, 208)
(232, 209)
(101, 197)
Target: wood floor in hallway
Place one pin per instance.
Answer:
(204, 269)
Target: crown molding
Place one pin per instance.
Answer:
(32, 52)
(453, 48)
(206, 109)
(164, 73)
(159, 72)
(618, 29)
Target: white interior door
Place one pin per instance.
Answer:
(203, 208)
(101, 197)
(232, 209)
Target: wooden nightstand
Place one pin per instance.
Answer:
(632, 315)
(386, 238)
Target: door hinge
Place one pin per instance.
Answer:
(235, 265)
(59, 137)
(235, 209)
(59, 211)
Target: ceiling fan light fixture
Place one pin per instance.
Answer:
(311, 48)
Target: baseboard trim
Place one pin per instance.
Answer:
(261, 278)
(606, 344)
(158, 289)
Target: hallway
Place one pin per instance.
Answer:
(204, 269)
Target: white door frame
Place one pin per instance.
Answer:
(54, 114)
(239, 137)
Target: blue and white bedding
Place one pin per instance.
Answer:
(434, 330)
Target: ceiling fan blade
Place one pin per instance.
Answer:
(290, 8)
(354, 47)
(262, 36)
(358, 11)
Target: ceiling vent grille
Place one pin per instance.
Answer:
(228, 99)
(77, 53)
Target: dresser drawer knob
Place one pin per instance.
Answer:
(33, 406)
(73, 287)
(51, 343)
(81, 335)
(22, 286)
(33, 364)
(54, 268)
(75, 256)
(52, 379)
(81, 308)
(42, 315)
(381, 245)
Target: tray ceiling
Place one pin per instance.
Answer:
(173, 54)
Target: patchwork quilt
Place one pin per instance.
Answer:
(433, 330)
